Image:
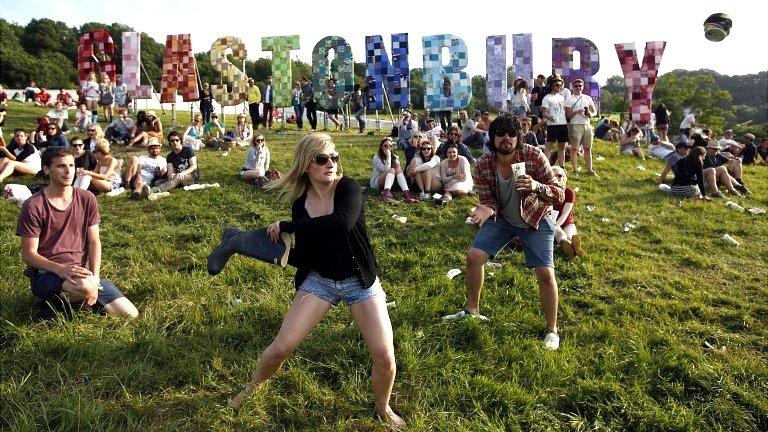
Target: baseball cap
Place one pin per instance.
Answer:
(749, 136)
(153, 142)
(728, 131)
(151, 113)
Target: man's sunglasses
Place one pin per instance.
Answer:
(323, 159)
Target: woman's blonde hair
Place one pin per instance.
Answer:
(296, 182)
(102, 146)
(99, 130)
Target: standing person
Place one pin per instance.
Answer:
(19, 156)
(90, 93)
(269, 97)
(296, 100)
(553, 111)
(337, 265)
(358, 105)
(60, 243)
(308, 97)
(121, 94)
(254, 99)
(537, 94)
(181, 165)
(688, 123)
(206, 102)
(106, 95)
(333, 104)
(662, 121)
(580, 108)
(514, 206)
(256, 162)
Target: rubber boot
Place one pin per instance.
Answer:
(251, 243)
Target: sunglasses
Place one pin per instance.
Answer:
(323, 159)
(174, 140)
(91, 130)
(258, 140)
(559, 175)
(502, 132)
(51, 127)
(578, 85)
(426, 148)
(78, 145)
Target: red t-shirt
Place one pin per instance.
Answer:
(62, 234)
(570, 197)
(43, 97)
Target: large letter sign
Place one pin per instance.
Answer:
(640, 82)
(132, 66)
(282, 76)
(95, 42)
(229, 72)
(445, 87)
(179, 74)
(562, 59)
(496, 70)
(379, 69)
(342, 69)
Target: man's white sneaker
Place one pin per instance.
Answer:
(551, 341)
(464, 314)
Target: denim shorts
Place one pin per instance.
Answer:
(47, 284)
(350, 290)
(537, 245)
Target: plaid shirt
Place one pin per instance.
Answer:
(533, 206)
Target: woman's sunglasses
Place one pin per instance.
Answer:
(322, 159)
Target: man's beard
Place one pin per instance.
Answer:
(505, 152)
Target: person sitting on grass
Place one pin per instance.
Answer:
(54, 137)
(715, 172)
(19, 157)
(681, 150)
(193, 134)
(142, 171)
(689, 176)
(82, 118)
(433, 129)
(152, 129)
(181, 167)
(406, 129)
(455, 174)
(424, 170)
(630, 143)
(413, 146)
(94, 134)
(243, 132)
(761, 150)
(565, 226)
(454, 139)
(660, 148)
(105, 177)
(387, 169)
(256, 162)
(43, 99)
(59, 116)
(61, 245)
(121, 130)
(213, 134)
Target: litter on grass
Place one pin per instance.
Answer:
(591, 208)
(599, 158)
(452, 273)
(493, 265)
(605, 220)
(641, 167)
(400, 219)
(734, 206)
(756, 211)
(629, 226)
(730, 240)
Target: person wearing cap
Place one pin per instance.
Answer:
(681, 150)
(243, 132)
(142, 171)
(213, 133)
(715, 172)
(553, 112)
(405, 129)
(471, 135)
(153, 128)
(660, 148)
(728, 144)
(511, 206)
(579, 109)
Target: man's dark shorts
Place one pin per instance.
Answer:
(47, 284)
(557, 133)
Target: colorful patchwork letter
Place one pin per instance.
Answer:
(228, 71)
(445, 87)
(282, 77)
(94, 54)
(562, 63)
(179, 74)
(132, 66)
(496, 70)
(379, 69)
(640, 82)
(522, 51)
(340, 68)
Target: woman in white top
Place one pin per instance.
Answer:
(243, 132)
(20, 156)
(106, 95)
(456, 174)
(519, 101)
(256, 161)
(90, 91)
(105, 177)
(387, 169)
(424, 169)
(193, 133)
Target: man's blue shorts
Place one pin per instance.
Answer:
(538, 245)
(46, 284)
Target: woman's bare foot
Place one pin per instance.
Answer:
(389, 417)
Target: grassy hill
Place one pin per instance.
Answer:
(639, 317)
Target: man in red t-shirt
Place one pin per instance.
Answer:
(60, 243)
(43, 98)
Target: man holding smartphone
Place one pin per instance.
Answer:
(579, 109)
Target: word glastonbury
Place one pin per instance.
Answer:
(446, 87)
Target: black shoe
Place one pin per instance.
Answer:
(741, 188)
(53, 306)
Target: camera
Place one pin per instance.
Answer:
(717, 27)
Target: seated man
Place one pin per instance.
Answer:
(749, 152)
(405, 129)
(142, 171)
(59, 116)
(59, 230)
(30, 93)
(472, 135)
(181, 165)
(715, 172)
(433, 129)
(121, 129)
(82, 118)
(65, 98)
(727, 144)
(43, 98)
(213, 134)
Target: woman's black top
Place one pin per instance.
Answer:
(688, 171)
(662, 118)
(335, 245)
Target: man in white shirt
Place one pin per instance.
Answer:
(580, 108)
(121, 129)
(688, 123)
(553, 112)
(59, 116)
(727, 143)
(266, 116)
(143, 170)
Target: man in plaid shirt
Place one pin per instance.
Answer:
(514, 206)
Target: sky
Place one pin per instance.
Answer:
(680, 24)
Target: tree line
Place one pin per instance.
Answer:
(46, 51)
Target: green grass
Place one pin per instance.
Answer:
(634, 315)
